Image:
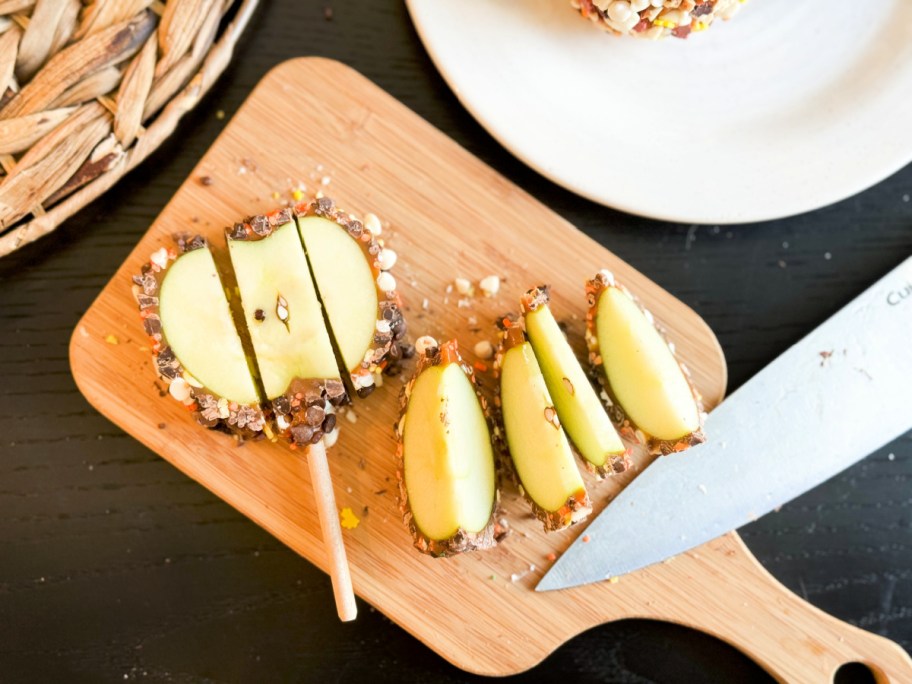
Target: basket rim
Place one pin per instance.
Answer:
(160, 129)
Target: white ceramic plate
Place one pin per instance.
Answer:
(786, 108)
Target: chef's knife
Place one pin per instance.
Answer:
(837, 395)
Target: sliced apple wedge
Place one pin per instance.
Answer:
(351, 269)
(578, 406)
(284, 318)
(543, 462)
(446, 459)
(197, 350)
(648, 391)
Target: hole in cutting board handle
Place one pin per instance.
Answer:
(856, 673)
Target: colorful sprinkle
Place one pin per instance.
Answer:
(348, 519)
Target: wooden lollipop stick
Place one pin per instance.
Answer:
(332, 532)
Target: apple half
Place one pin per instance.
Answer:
(649, 394)
(350, 267)
(197, 350)
(446, 472)
(284, 319)
(581, 413)
(543, 462)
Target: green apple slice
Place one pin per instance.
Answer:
(578, 406)
(539, 449)
(281, 310)
(198, 325)
(284, 319)
(345, 283)
(640, 371)
(447, 482)
(198, 351)
(351, 269)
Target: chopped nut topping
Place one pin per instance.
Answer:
(490, 285)
(464, 286)
(372, 223)
(180, 389)
(386, 282)
(386, 259)
(484, 350)
(424, 344)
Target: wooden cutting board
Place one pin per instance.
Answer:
(319, 123)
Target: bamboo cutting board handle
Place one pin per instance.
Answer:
(735, 599)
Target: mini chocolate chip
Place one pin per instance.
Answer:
(206, 180)
(365, 391)
(334, 389)
(313, 397)
(238, 232)
(152, 325)
(302, 434)
(259, 225)
(281, 404)
(259, 315)
(314, 415)
(619, 464)
(282, 217)
(206, 422)
(329, 422)
(187, 244)
(169, 372)
(147, 301)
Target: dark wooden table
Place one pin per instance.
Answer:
(115, 566)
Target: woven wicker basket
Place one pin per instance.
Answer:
(89, 88)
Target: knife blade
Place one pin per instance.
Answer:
(840, 393)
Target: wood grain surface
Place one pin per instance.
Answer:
(448, 216)
(116, 566)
